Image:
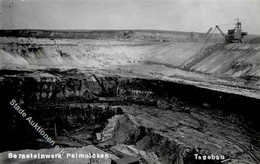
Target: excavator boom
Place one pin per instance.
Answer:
(221, 32)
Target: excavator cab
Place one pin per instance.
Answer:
(236, 35)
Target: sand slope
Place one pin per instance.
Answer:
(239, 61)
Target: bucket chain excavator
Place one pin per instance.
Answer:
(235, 35)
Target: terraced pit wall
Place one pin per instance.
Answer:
(239, 61)
(72, 102)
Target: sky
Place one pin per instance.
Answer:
(173, 15)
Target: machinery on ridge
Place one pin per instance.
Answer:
(235, 35)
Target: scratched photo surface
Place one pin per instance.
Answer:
(130, 81)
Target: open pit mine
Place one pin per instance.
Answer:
(129, 97)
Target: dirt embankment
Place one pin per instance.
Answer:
(100, 34)
(42, 53)
(233, 60)
(235, 63)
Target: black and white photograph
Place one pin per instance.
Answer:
(129, 82)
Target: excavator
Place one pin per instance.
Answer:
(235, 35)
